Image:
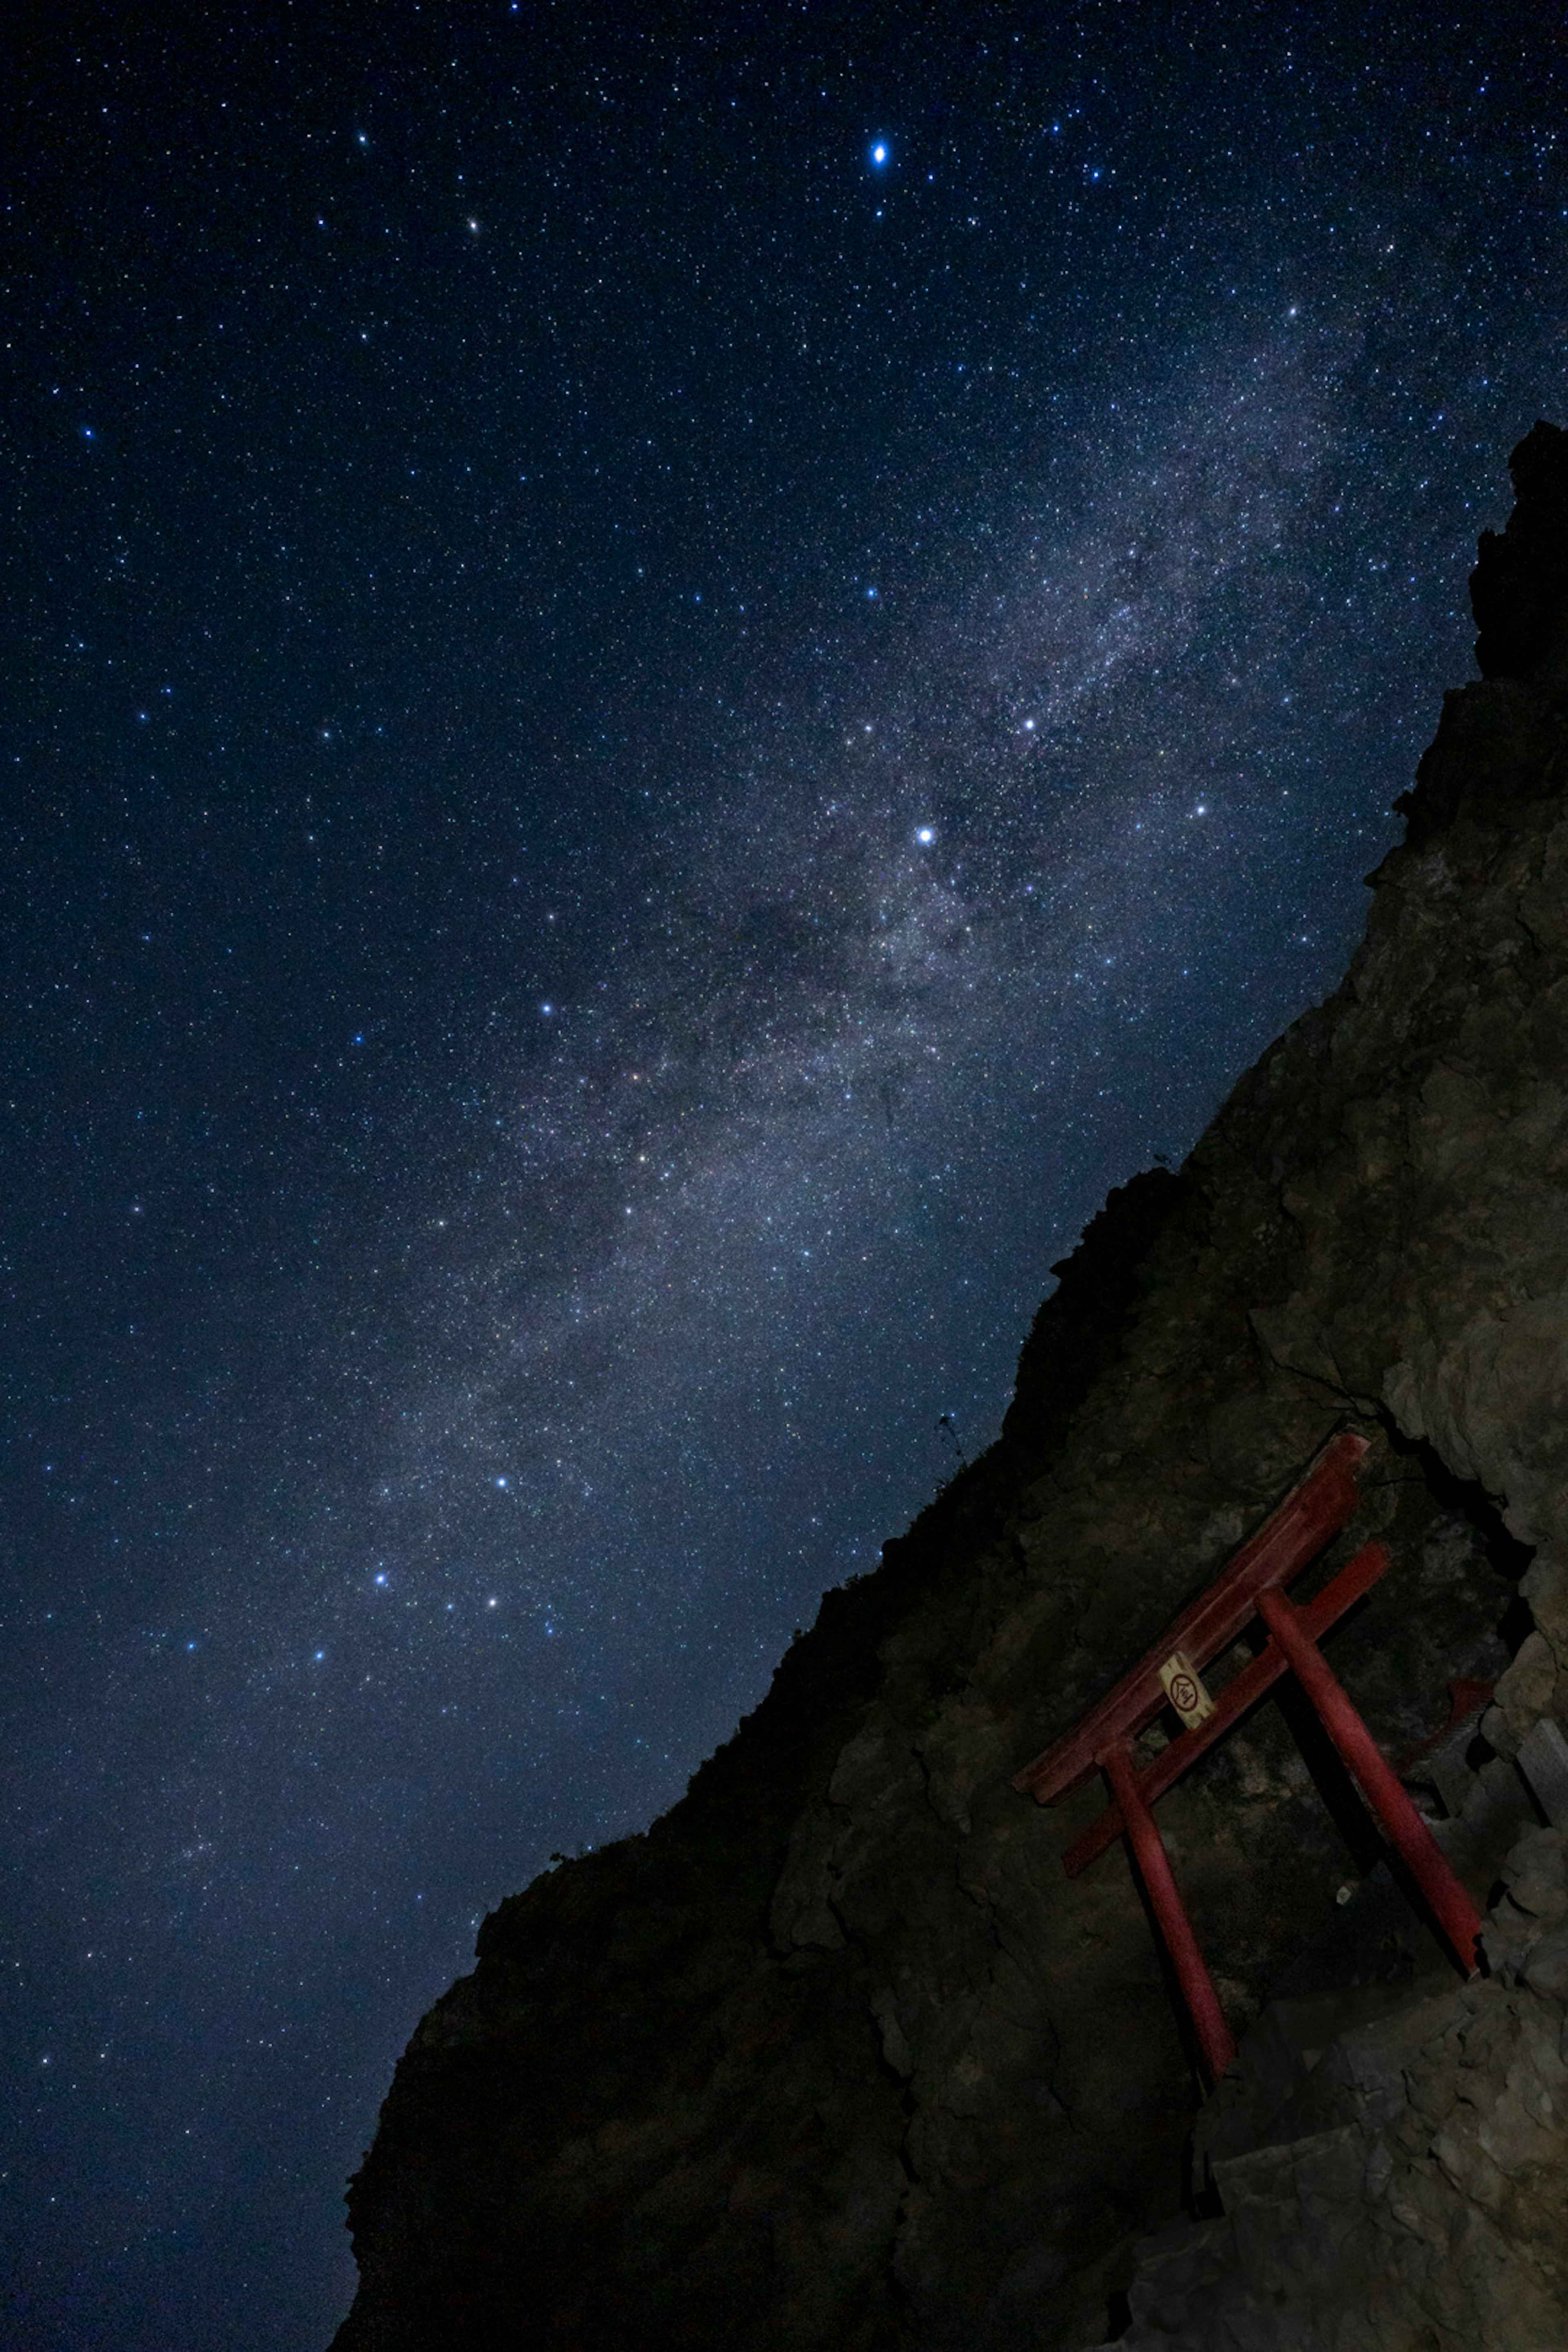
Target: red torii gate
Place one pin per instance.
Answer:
(1315, 1510)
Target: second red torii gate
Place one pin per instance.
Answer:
(1314, 1511)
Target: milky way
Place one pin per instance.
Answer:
(935, 963)
(651, 748)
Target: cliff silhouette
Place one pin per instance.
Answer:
(836, 2055)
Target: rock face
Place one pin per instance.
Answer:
(1400, 2187)
(836, 2055)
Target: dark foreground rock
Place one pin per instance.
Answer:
(834, 2055)
(1402, 2182)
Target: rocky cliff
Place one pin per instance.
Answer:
(836, 2055)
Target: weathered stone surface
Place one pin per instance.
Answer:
(1544, 1761)
(1408, 2190)
(834, 2055)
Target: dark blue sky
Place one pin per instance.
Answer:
(643, 747)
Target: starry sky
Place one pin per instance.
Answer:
(676, 676)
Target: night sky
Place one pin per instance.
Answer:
(666, 692)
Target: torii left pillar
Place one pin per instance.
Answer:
(1215, 2039)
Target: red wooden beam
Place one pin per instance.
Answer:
(1242, 1692)
(1428, 1865)
(1323, 1502)
(1154, 1869)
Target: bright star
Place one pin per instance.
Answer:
(878, 152)
(925, 834)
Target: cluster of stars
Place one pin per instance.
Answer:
(606, 868)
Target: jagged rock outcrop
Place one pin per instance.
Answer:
(1401, 2185)
(834, 2055)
